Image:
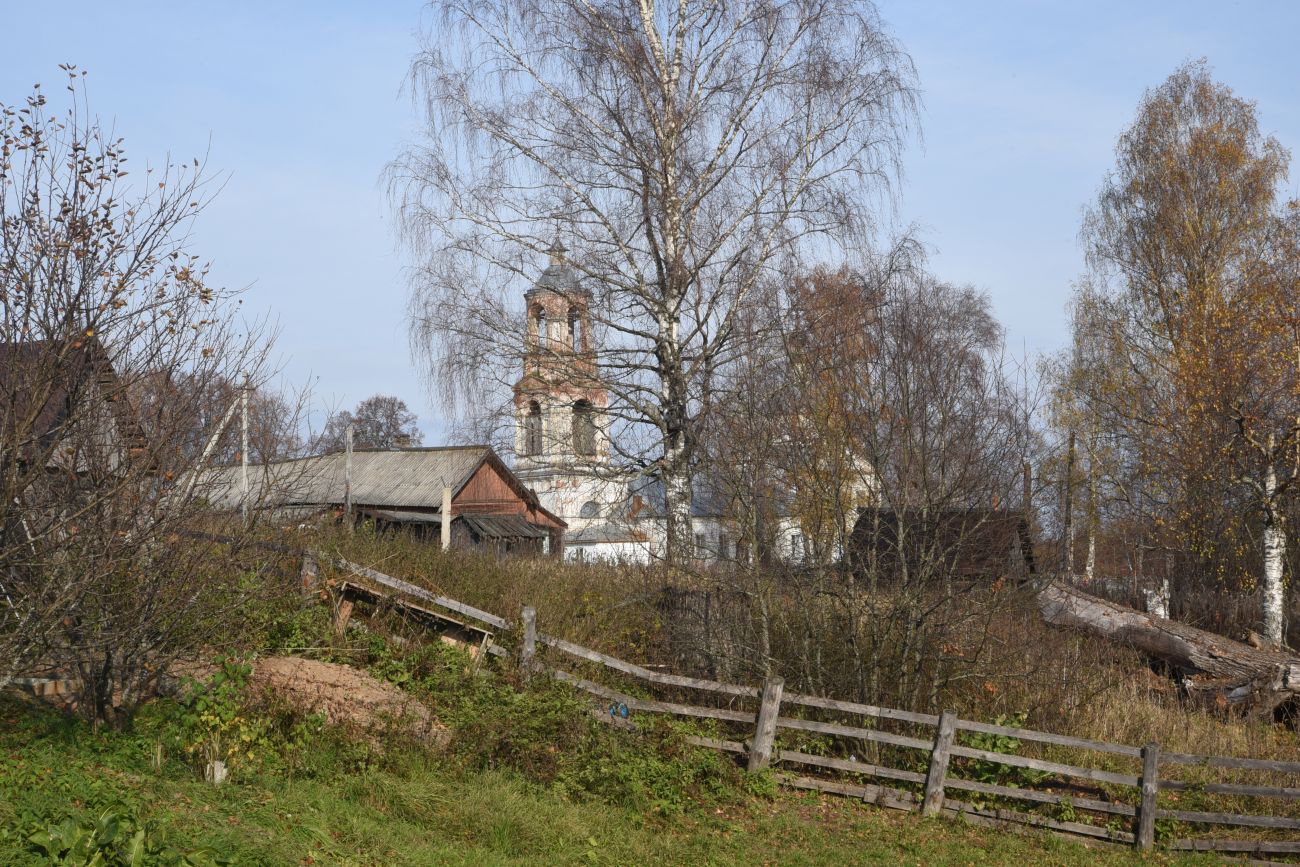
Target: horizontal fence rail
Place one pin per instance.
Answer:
(1133, 811)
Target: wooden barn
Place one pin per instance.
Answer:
(64, 408)
(970, 544)
(402, 490)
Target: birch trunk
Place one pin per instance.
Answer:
(1067, 511)
(675, 473)
(1090, 565)
(1274, 561)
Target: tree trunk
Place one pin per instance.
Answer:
(1067, 511)
(1274, 560)
(1223, 671)
(678, 444)
(1090, 565)
(676, 475)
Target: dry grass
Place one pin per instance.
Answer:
(1009, 663)
(606, 606)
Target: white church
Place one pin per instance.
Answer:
(563, 448)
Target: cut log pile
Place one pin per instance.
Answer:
(1219, 670)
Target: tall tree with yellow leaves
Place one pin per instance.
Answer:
(1185, 328)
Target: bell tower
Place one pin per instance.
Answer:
(562, 443)
(560, 402)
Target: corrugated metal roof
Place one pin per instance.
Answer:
(502, 526)
(413, 478)
(607, 532)
(489, 526)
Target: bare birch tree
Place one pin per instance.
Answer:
(683, 152)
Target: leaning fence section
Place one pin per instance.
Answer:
(932, 764)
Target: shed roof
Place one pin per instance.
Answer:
(487, 526)
(501, 526)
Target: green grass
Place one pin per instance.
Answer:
(428, 811)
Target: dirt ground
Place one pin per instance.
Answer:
(346, 696)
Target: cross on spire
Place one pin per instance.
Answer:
(557, 248)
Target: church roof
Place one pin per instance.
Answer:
(608, 532)
(559, 277)
(707, 500)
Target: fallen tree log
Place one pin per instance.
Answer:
(1209, 666)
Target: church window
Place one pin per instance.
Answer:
(590, 509)
(540, 317)
(533, 429)
(584, 428)
(575, 329)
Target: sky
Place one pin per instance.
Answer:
(298, 106)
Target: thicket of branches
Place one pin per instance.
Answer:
(877, 409)
(380, 421)
(115, 344)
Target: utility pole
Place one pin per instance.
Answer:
(1067, 512)
(347, 476)
(446, 518)
(243, 445)
(209, 448)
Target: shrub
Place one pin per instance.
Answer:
(214, 724)
(996, 773)
(114, 838)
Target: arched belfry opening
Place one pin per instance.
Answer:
(577, 330)
(539, 325)
(584, 428)
(533, 429)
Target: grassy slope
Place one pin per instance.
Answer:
(430, 815)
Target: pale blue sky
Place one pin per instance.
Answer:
(299, 106)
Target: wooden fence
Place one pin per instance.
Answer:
(1122, 793)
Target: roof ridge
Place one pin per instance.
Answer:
(399, 449)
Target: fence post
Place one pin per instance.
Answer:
(308, 574)
(1145, 835)
(528, 649)
(341, 616)
(760, 750)
(934, 777)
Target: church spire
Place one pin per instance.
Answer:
(557, 249)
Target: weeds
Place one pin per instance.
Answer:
(993, 772)
(114, 838)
